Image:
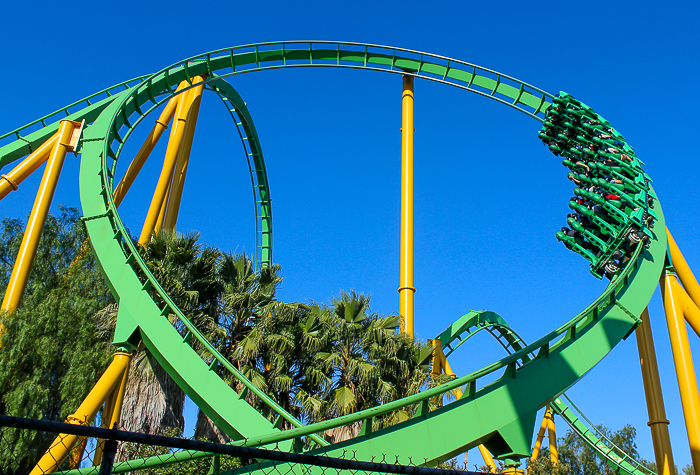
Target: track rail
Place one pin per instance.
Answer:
(614, 456)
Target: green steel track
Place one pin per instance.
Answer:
(501, 414)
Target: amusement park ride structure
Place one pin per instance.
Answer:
(617, 225)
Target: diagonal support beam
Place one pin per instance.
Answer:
(11, 181)
(63, 444)
(183, 157)
(160, 193)
(37, 218)
(148, 145)
(672, 292)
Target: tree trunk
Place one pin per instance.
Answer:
(206, 429)
(342, 433)
(153, 403)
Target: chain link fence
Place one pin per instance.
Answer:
(86, 450)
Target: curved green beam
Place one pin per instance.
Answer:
(511, 402)
(452, 338)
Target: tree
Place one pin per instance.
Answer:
(191, 275)
(53, 350)
(361, 362)
(576, 457)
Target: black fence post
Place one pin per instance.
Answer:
(108, 453)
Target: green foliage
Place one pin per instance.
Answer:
(576, 457)
(324, 361)
(53, 351)
(544, 466)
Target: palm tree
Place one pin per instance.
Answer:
(189, 274)
(365, 361)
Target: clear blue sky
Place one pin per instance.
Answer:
(489, 196)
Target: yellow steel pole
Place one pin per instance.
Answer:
(655, 399)
(111, 413)
(37, 218)
(26, 167)
(683, 270)
(76, 456)
(488, 459)
(438, 357)
(62, 445)
(683, 361)
(163, 207)
(406, 288)
(540, 435)
(183, 156)
(691, 312)
(159, 196)
(147, 147)
(552, 437)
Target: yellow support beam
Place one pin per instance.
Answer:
(26, 167)
(488, 459)
(63, 444)
(671, 292)
(552, 437)
(655, 399)
(540, 435)
(37, 218)
(683, 270)
(406, 288)
(148, 145)
(160, 194)
(111, 414)
(691, 312)
(183, 156)
(163, 207)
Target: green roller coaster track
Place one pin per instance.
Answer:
(501, 414)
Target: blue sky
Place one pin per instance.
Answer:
(489, 196)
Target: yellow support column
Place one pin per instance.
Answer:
(488, 459)
(540, 435)
(26, 167)
(691, 312)
(63, 444)
(552, 437)
(37, 218)
(159, 196)
(683, 270)
(183, 156)
(655, 400)
(148, 145)
(406, 289)
(683, 361)
(111, 414)
(163, 207)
